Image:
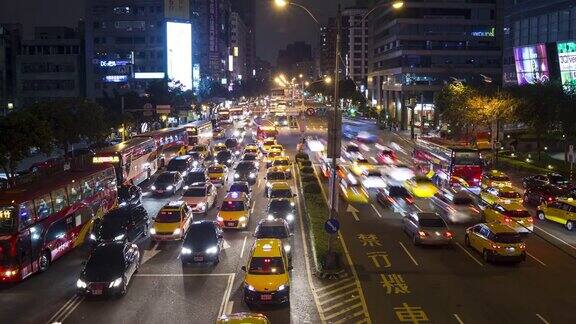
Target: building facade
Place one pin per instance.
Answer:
(415, 51)
(296, 58)
(10, 38)
(327, 52)
(528, 23)
(237, 64)
(247, 11)
(51, 66)
(355, 45)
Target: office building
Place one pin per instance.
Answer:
(51, 66)
(237, 63)
(10, 37)
(296, 58)
(327, 53)
(415, 51)
(247, 11)
(355, 45)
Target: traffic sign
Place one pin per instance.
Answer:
(331, 226)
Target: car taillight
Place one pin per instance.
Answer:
(522, 246)
(495, 246)
(550, 199)
(530, 220)
(507, 219)
(448, 234)
(410, 200)
(422, 234)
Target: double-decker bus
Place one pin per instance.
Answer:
(263, 132)
(43, 220)
(171, 142)
(135, 160)
(236, 112)
(449, 164)
(224, 116)
(199, 132)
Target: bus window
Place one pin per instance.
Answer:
(57, 230)
(110, 179)
(87, 187)
(74, 193)
(59, 199)
(99, 184)
(43, 206)
(26, 214)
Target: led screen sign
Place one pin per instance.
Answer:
(567, 60)
(179, 56)
(531, 64)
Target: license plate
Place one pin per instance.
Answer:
(198, 259)
(266, 297)
(160, 191)
(96, 291)
(230, 224)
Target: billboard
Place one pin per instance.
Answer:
(567, 60)
(531, 64)
(177, 9)
(179, 53)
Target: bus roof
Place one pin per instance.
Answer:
(47, 184)
(124, 145)
(161, 132)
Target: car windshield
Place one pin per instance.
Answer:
(232, 206)
(177, 165)
(239, 188)
(165, 178)
(266, 266)
(168, 216)
(269, 142)
(7, 219)
(231, 142)
(245, 166)
(266, 231)
(398, 192)
(281, 162)
(558, 179)
(124, 192)
(281, 193)
(216, 169)
(517, 213)
(112, 225)
(201, 235)
(273, 154)
(462, 201)
(435, 222)
(106, 263)
(280, 205)
(352, 148)
(508, 238)
(499, 178)
(195, 192)
(223, 155)
(196, 177)
(251, 150)
(509, 194)
(276, 176)
(373, 173)
(249, 157)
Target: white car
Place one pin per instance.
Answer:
(372, 179)
(200, 198)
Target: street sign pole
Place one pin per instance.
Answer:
(571, 158)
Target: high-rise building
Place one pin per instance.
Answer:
(238, 48)
(415, 51)
(247, 11)
(355, 45)
(327, 52)
(296, 58)
(10, 37)
(51, 65)
(535, 26)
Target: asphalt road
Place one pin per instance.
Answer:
(163, 290)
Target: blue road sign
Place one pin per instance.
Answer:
(331, 226)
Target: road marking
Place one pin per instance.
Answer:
(350, 285)
(183, 274)
(149, 254)
(340, 303)
(332, 285)
(229, 307)
(408, 252)
(226, 297)
(458, 318)
(376, 210)
(66, 309)
(542, 319)
(353, 211)
(537, 260)
(243, 246)
(469, 254)
(347, 309)
(556, 237)
(344, 294)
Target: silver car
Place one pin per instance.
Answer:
(278, 229)
(427, 228)
(200, 198)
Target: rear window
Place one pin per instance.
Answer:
(177, 165)
(509, 194)
(216, 169)
(281, 193)
(270, 142)
(281, 162)
(239, 188)
(266, 266)
(276, 176)
(508, 238)
(398, 192)
(195, 192)
(352, 148)
(517, 213)
(278, 232)
(165, 177)
(432, 223)
(232, 206)
(196, 177)
(168, 216)
(463, 201)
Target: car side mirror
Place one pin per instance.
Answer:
(243, 268)
(290, 268)
(291, 234)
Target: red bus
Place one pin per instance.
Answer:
(43, 220)
(264, 132)
(449, 164)
(199, 132)
(171, 142)
(135, 160)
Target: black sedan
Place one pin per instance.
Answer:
(129, 195)
(554, 179)
(109, 269)
(127, 223)
(539, 194)
(282, 208)
(168, 182)
(225, 157)
(202, 243)
(246, 171)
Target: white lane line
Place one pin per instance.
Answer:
(542, 319)
(537, 260)
(63, 308)
(226, 297)
(556, 237)
(458, 318)
(229, 308)
(408, 252)
(376, 210)
(243, 246)
(71, 309)
(469, 254)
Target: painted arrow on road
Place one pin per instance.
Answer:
(353, 211)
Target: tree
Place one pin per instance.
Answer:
(20, 131)
(452, 106)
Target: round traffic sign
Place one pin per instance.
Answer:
(331, 226)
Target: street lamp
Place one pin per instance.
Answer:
(328, 80)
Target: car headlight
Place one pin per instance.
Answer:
(220, 219)
(115, 283)
(250, 287)
(186, 187)
(153, 187)
(282, 287)
(252, 175)
(119, 237)
(201, 206)
(170, 187)
(81, 284)
(237, 152)
(268, 184)
(242, 219)
(177, 231)
(92, 237)
(186, 250)
(152, 231)
(212, 250)
(290, 217)
(270, 217)
(195, 163)
(229, 160)
(122, 204)
(236, 176)
(184, 173)
(287, 248)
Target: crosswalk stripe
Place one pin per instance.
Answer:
(340, 304)
(339, 296)
(334, 284)
(347, 309)
(337, 289)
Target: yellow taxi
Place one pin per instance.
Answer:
(251, 149)
(421, 186)
(495, 178)
(561, 211)
(267, 279)
(172, 222)
(352, 191)
(234, 211)
(512, 214)
(270, 156)
(494, 195)
(243, 318)
(359, 165)
(203, 150)
(267, 144)
(278, 147)
(219, 147)
(217, 173)
(496, 242)
(283, 163)
(280, 190)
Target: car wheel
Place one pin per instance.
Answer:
(569, 225)
(44, 261)
(124, 288)
(486, 256)
(541, 216)
(217, 260)
(467, 240)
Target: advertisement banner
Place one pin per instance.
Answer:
(179, 45)
(177, 9)
(567, 59)
(531, 64)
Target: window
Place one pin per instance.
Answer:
(110, 179)
(74, 193)
(59, 199)
(26, 214)
(87, 187)
(99, 184)
(485, 232)
(43, 206)
(56, 231)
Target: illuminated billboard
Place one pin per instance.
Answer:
(531, 64)
(567, 59)
(179, 53)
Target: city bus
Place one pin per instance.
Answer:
(236, 112)
(199, 132)
(135, 160)
(224, 116)
(263, 132)
(171, 142)
(43, 220)
(448, 164)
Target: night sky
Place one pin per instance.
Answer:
(274, 28)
